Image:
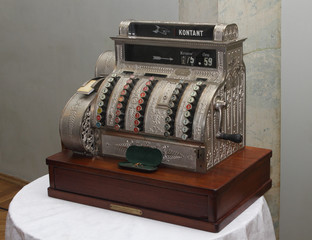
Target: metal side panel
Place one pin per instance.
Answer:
(75, 122)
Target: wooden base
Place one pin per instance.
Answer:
(203, 201)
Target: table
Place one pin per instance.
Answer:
(34, 215)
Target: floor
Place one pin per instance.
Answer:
(9, 186)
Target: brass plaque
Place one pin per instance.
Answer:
(124, 209)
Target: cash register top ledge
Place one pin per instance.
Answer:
(179, 31)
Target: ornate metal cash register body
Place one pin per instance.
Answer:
(175, 87)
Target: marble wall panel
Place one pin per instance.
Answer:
(260, 22)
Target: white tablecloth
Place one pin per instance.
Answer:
(34, 215)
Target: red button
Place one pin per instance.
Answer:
(121, 99)
(151, 78)
(136, 122)
(188, 106)
(137, 115)
(119, 105)
(139, 108)
(117, 120)
(118, 112)
(145, 89)
(149, 83)
(123, 92)
(136, 130)
(126, 86)
(117, 127)
(141, 101)
(98, 117)
(129, 81)
(143, 94)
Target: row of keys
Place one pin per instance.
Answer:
(123, 101)
(140, 109)
(172, 108)
(104, 95)
(190, 109)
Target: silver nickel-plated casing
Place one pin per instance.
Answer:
(161, 102)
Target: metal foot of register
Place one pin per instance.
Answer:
(159, 132)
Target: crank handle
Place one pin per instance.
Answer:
(237, 138)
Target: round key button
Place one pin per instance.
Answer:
(141, 101)
(118, 113)
(137, 115)
(121, 99)
(179, 86)
(186, 121)
(185, 129)
(99, 110)
(119, 105)
(145, 89)
(117, 120)
(167, 134)
(188, 106)
(199, 83)
(169, 111)
(167, 126)
(137, 122)
(176, 91)
(143, 95)
(98, 117)
(98, 124)
(101, 103)
(136, 130)
(108, 84)
(102, 96)
(105, 90)
(173, 98)
(110, 80)
(124, 92)
(139, 108)
(193, 94)
(117, 127)
(187, 114)
(196, 88)
(171, 104)
(168, 119)
(191, 100)
(184, 136)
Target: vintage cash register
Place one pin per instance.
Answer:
(159, 131)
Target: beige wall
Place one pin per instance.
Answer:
(260, 22)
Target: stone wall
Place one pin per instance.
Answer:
(260, 22)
